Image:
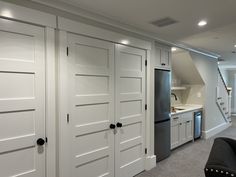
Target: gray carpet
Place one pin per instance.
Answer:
(188, 160)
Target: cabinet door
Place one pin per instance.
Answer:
(182, 136)
(164, 58)
(175, 136)
(189, 130)
(157, 57)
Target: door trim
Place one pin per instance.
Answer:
(63, 168)
(50, 110)
(150, 161)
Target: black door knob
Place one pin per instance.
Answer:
(119, 124)
(40, 142)
(112, 126)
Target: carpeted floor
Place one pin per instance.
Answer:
(188, 160)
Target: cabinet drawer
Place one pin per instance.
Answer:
(187, 116)
(175, 120)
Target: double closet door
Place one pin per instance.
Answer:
(106, 108)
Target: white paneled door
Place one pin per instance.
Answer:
(91, 104)
(104, 133)
(130, 110)
(22, 102)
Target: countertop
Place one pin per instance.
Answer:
(187, 108)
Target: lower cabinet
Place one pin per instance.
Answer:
(175, 136)
(181, 129)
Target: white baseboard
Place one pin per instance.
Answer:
(219, 128)
(150, 162)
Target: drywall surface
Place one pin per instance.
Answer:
(185, 73)
(175, 80)
(232, 83)
(185, 69)
(225, 75)
(179, 100)
(194, 94)
(207, 68)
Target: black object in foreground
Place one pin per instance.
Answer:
(222, 159)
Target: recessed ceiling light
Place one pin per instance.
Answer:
(173, 49)
(6, 13)
(235, 45)
(124, 41)
(202, 23)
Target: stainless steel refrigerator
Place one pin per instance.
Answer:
(162, 113)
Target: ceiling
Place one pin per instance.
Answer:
(218, 36)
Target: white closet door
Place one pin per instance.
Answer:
(130, 110)
(91, 104)
(22, 99)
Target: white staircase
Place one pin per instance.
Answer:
(223, 98)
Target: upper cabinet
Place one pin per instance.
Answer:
(162, 56)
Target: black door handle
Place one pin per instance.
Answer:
(40, 142)
(112, 126)
(119, 124)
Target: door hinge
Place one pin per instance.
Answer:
(145, 62)
(68, 118)
(145, 150)
(46, 139)
(67, 51)
(145, 106)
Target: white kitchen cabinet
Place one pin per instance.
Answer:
(181, 129)
(162, 57)
(175, 136)
(189, 130)
(182, 134)
(175, 133)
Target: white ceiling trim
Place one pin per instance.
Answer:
(19, 13)
(88, 30)
(115, 24)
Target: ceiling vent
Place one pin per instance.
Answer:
(221, 59)
(164, 22)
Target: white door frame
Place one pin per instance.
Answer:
(50, 61)
(63, 145)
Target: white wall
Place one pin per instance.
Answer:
(184, 68)
(232, 83)
(225, 75)
(207, 68)
(195, 94)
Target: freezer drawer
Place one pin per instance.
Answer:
(162, 140)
